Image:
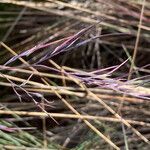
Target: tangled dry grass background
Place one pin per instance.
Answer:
(74, 74)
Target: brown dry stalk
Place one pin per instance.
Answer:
(72, 116)
(137, 41)
(134, 52)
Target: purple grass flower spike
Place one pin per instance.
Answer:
(68, 43)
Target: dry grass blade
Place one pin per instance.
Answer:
(73, 116)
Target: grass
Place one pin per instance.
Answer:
(68, 82)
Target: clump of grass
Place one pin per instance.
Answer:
(75, 82)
